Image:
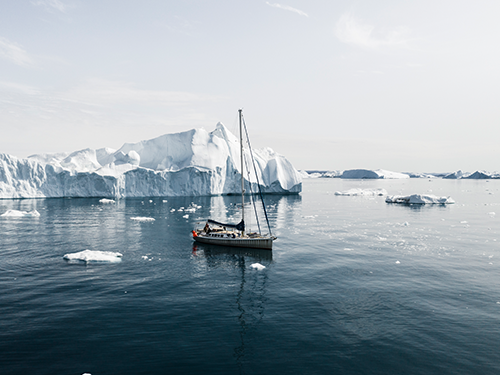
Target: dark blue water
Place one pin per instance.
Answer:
(353, 286)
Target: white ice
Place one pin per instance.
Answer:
(257, 266)
(107, 201)
(16, 213)
(94, 256)
(195, 162)
(372, 174)
(142, 219)
(419, 199)
(362, 192)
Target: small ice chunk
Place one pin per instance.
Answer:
(257, 266)
(165, 201)
(16, 213)
(398, 262)
(107, 201)
(491, 213)
(186, 216)
(362, 192)
(142, 219)
(94, 256)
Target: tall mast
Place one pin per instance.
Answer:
(242, 180)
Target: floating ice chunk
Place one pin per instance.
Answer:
(172, 210)
(16, 213)
(491, 213)
(418, 199)
(362, 192)
(107, 201)
(94, 256)
(143, 219)
(186, 216)
(398, 262)
(257, 266)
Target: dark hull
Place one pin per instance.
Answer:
(265, 243)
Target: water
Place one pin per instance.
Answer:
(353, 286)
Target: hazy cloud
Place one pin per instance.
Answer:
(351, 31)
(99, 92)
(15, 53)
(290, 9)
(51, 5)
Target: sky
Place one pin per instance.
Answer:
(332, 85)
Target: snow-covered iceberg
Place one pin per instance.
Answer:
(372, 174)
(195, 162)
(419, 199)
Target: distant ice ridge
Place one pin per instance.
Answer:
(191, 163)
(419, 199)
(383, 174)
(94, 256)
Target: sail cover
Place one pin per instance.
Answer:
(240, 226)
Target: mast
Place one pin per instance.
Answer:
(242, 179)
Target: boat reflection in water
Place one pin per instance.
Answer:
(250, 297)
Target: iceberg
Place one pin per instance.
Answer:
(477, 175)
(257, 266)
(191, 163)
(94, 256)
(372, 174)
(419, 199)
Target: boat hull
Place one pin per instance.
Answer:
(252, 243)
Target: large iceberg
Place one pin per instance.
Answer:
(195, 162)
(372, 174)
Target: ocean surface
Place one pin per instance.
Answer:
(353, 285)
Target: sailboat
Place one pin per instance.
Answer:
(234, 235)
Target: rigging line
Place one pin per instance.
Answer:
(256, 175)
(252, 194)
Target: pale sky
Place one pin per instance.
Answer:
(390, 84)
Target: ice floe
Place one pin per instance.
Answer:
(107, 201)
(142, 219)
(94, 256)
(362, 192)
(16, 213)
(419, 199)
(257, 266)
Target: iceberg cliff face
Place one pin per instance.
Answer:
(191, 163)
